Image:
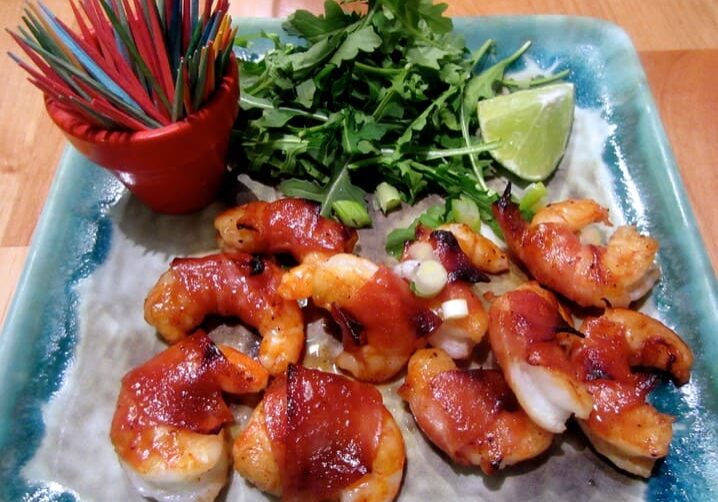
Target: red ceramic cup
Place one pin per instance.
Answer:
(175, 169)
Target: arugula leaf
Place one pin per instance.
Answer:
(483, 85)
(360, 132)
(302, 63)
(385, 96)
(304, 24)
(426, 56)
(338, 189)
(413, 12)
(273, 117)
(420, 122)
(302, 189)
(305, 93)
(364, 39)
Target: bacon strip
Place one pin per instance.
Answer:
(393, 318)
(230, 284)
(471, 415)
(471, 400)
(324, 429)
(291, 226)
(602, 362)
(181, 387)
(449, 253)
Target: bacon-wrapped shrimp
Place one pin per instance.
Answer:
(483, 254)
(382, 322)
(321, 436)
(458, 336)
(465, 256)
(167, 428)
(291, 226)
(471, 415)
(616, 274)
(528, 332)
(623, 426)
(228, 284)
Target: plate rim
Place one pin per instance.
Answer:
(11, 337)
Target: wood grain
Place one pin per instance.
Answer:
(678, 40)
(683, 84)
(653, 25)
(29, 143)
(12, 259)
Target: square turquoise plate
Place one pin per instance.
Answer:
(75, 235)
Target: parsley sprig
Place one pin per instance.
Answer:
(389, 95)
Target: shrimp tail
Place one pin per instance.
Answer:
(505, 198)
(509, 217)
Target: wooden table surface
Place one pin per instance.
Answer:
(677, 41)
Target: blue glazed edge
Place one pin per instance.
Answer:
(647, 181)
(675, 480)
(37, 344)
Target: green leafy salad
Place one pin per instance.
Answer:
(381, 101)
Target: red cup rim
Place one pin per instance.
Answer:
(78, 127)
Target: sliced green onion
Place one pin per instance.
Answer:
(532, 196)
(387, 197)
(433, 217)
(351, 213)
(457, 308)
(421, 251)
(406, 269)
(465, 210)
(429, 279)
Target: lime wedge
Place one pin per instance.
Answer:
(533, 127)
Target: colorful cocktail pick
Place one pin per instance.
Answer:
(131, 64)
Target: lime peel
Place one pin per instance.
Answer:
(532, 127)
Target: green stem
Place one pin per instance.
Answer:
(463, 120)
(479, 54)
(379, 111)
(478, 172)
(369, 15)
(377, 70)
(513, 57)
(424, 154)
(243, 100)
(277, 144)
(261, 84)
(454, 152)
(525, 84)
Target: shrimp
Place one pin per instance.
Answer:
(622, 426)
(382, 322)
(459, 336)
(479, 251)
(449, 244)
(528, 331)
(291, 226)
(602, 276)
(442, 246)
(471, 415)
(228, 284)
(338, 442)
(167, 428)
(484, 254)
